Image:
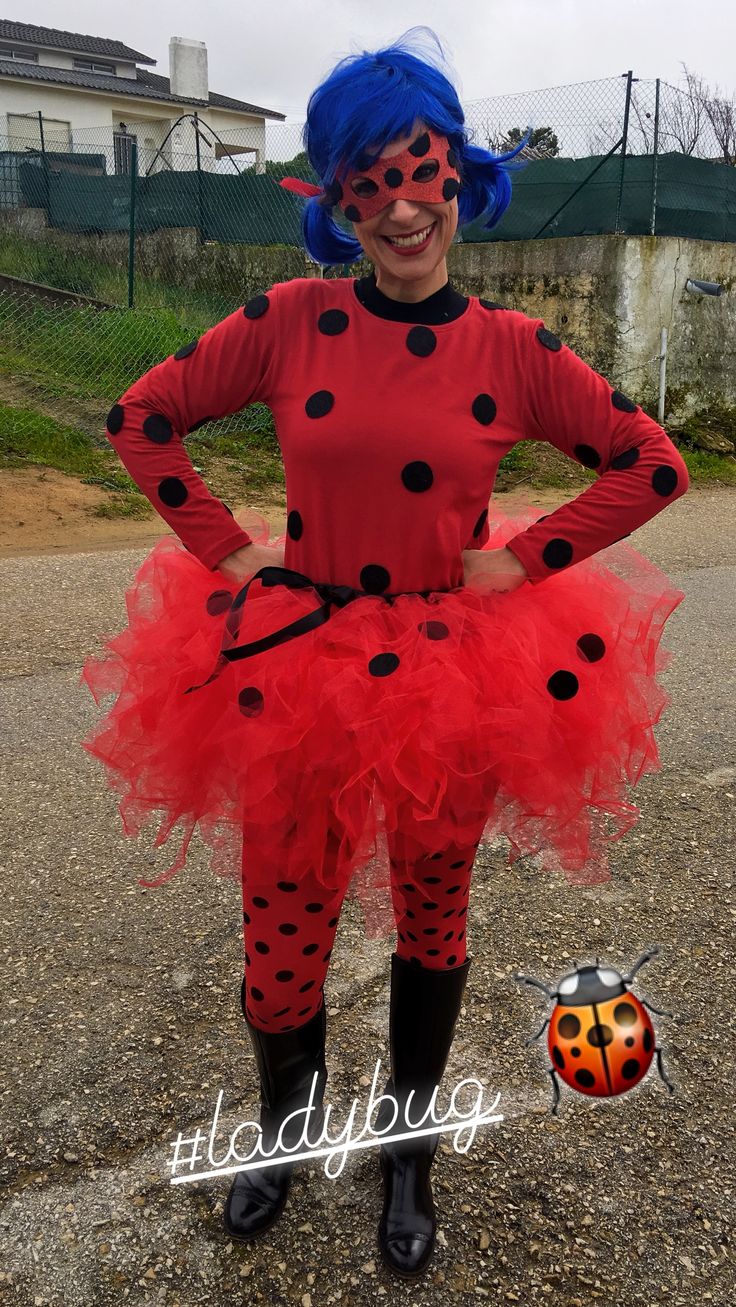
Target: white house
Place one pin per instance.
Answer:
(92, 95)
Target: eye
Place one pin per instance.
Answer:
(608, 976)
(363, 187)
(568, 984)
(426, 171)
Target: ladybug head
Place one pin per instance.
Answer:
(590, 984)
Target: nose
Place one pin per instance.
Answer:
(402, 211)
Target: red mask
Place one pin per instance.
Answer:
(427, 170)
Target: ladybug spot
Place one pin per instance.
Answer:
(559, 1059)
(624, 1014)
(647, 1040)
(569, 1026)
(599, 1036)
(585, 1078)
(630, 1068)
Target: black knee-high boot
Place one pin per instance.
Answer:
(286, 1061)
(425, 1005)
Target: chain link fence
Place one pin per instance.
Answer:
(119, 250)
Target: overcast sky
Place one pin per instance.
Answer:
(274, 53)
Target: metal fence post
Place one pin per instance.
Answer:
(200, 233)
(131, 219)
(46, 187)
(625, 137)
(653, 223)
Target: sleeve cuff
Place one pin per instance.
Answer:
(213, 555)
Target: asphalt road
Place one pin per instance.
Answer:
(120, 1020)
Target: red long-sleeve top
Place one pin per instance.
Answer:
(391, 435)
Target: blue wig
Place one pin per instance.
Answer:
(371, 99)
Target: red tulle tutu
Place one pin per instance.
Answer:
(524, 714)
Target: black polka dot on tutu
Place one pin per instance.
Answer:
(455, 888)
(548, 339)
(591, 647)
(157, 428)
(172, 492)
(452, 960)
(319, 403)
(412, 889)
(246, 918)
(430, 907)
(413, 938)
(333, 322)
(431, 880)
(420, 146)
(393, 177)
(477, 529)
(284, 976)
(308, 984)
(484, 409)
(288, 928)
(450, 188)
(622, 402)
(115, 419)
(383, 664)
(435, 856)
(352, 213)
(627, 459)
(490, 304)
(250, 701)
(218, 602)
(314, 907)
(327, 955)
(587, 455)
(421, 341)
(294, 525)
(287, 886)
(433, 952)
(255, 993)
(434, 630)
(185, 350)
(247, 958)
(557, 552)
(260, 902)
(333, 921)
(417, 476)
(430, 930)
(446, 938)
(261, 946)
(257, 306)
(461, 936)
(664, 480)
(309, 949)
(374, 578)
(455, 866)
(282, 1012)
(563, 685)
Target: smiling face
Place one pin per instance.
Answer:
(407, 270)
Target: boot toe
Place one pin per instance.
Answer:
(408, 1254)
(250, 1210)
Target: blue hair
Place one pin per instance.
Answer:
(371, 99)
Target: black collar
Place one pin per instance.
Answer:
(442, 306)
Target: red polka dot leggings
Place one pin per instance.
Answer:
(289, 929)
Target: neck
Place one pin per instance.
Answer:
(412, 291)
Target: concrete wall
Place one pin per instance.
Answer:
(606, 296)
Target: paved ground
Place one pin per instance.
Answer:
(120, 1019)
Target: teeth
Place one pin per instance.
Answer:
(411, 240)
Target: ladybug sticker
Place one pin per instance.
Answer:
(601, 1039)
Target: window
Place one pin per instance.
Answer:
(92, 66)
(24, 56)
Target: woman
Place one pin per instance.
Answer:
(360, 706)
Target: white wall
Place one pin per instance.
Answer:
(93, 116)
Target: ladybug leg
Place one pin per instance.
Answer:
(645, 957)
(538, 1035)
(529, 980)
(556, 1099)
(659, 1011)
(661, 1070)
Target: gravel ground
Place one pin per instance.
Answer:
(121, 1022)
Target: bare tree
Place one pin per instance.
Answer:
(721, 114)
(683, 115)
